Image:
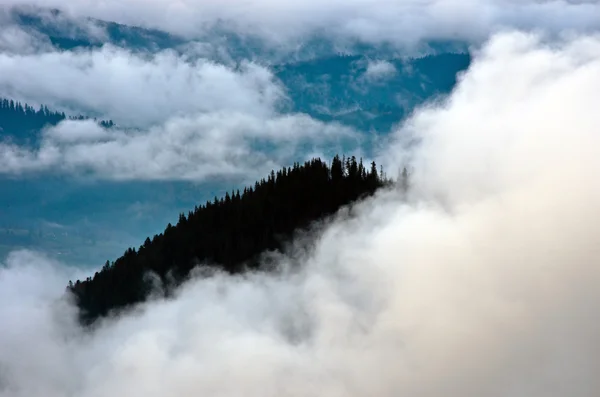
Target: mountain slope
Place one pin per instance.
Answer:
(67, 33)
(369, 94)
(20, 123)
(230, 233)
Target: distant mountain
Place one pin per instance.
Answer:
(20, 123)
(365, 93)
(67, 33)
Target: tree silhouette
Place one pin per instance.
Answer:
(22, 122)
(229, 233)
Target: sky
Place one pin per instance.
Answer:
(481, 280)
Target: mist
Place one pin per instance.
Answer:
(232, 145)
(481, 281)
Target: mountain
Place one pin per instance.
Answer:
(231, 233)
(21, 123)
(368, 94)
(68, 33)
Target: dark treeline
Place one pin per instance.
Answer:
(229, 232)
(20, 121)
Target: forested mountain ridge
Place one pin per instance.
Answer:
(229, 233)
(21, 121)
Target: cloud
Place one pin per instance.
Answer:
(20, 36)
(482, 281)
(180, 117)
(379, 70)
(193, 148)
(78, 131)
(14, 40)
(136, 89)
(399, 22)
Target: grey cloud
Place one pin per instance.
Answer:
(482, 281)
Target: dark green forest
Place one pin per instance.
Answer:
(21, 122)
(229, 233)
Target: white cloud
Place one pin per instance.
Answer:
(483, 283)
(136, 89)
(75, 131)
(526, 80)
(193, 119)
(399, 21)
(195, 148)
(379, 70)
